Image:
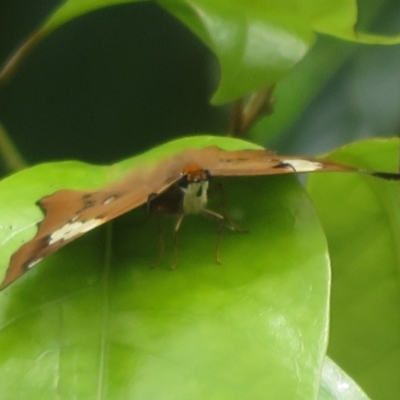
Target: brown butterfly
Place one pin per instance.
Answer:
(178, 185)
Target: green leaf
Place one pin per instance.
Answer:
(337, 385)
(71, 9)
(361, 217)
(95, 321)
(256, 43)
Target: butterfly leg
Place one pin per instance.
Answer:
(159, 227)
(161, 251)
(218, 188)
(223, 220)
(176, 229)
(220, 230)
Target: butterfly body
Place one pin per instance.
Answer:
(194, 185)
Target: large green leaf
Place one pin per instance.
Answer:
(361, 218)
(256, 43)
(95, 321)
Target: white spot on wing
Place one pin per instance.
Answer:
(33, 263)
(71, 229)
(303, 165)
(108, 200)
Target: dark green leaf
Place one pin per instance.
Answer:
(361, 217)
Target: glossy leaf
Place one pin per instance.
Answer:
(256, 43)
(94, 320)
(337, 385)
(363, 231)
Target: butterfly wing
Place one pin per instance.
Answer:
(68, 214)
(263, 162)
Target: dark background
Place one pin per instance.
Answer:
(121, 79)
(107, 84)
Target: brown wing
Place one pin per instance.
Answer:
(263, 162)
(68, 214)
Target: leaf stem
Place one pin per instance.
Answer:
(246, 113)
(12, 159)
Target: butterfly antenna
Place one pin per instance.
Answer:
(390, 176)
(284, 164)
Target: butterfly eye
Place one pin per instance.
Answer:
(183, 182)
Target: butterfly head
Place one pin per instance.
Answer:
(194, 183)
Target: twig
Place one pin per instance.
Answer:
(245, 114)
(20, 54)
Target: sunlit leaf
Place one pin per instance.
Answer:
(95, 320)
(337, 385)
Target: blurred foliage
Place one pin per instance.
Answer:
(361, 220)
(111, 73)
(134, 68)
(340, 92)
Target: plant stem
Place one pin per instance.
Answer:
(8, 152)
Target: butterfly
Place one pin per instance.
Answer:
(177, 185)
